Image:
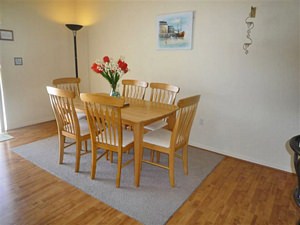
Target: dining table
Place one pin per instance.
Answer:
(137, 113)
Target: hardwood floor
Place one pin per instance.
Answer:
(236, 192)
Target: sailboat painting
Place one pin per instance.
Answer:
(175, 30)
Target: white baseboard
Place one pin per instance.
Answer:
(14, 125)
(288, 168)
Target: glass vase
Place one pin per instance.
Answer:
(114, 91)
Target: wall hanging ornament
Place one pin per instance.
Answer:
(250, 26)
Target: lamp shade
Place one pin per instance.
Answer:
(74, 27)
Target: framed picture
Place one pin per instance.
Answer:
(18, 61)
(175, 31)
(6, 35)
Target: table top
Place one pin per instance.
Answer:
(139, 111)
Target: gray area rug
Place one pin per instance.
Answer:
(153, 202)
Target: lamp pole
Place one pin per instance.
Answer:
(74, 28)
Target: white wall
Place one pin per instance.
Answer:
(250, 103)
(46, 46)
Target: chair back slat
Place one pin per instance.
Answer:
(184, 120)
(163, 93)
(64, 110)
(134, 88)
(68, 83)
(104, 118)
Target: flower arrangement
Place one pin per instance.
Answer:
(112, 71)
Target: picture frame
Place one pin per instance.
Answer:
(18, 61)
(6, 35)
(175, 31)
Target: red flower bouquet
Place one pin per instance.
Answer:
(112, 71)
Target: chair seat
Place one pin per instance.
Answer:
(156, 125)
(127, 138)
(84, 127)
(161, 137)
(81, 115)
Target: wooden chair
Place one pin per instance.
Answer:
(70, 84)
(104, 112)
(162, 93)
(168, 142)
(68, 124)
(134, 88)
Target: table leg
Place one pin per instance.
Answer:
(138, 129)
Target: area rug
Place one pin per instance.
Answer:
(153, 202)
(5, 137)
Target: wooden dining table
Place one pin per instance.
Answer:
(138, 113)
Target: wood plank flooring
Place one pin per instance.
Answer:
(236, 192)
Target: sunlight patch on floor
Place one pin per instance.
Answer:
(5, 137)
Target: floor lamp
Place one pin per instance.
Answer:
(75, 28)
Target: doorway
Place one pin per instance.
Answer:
(3, 122)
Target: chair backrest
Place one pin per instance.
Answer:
(68, 83)
(134, 88)
(184, 120)
(163, 93)
(64, 110)
(104, 118)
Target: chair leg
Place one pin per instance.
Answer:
(118, 178)
(171, 169)
(78, 151)
(111, 156)
(151, 155)
(61, 140)
(142, 157)
(157, 157)
(106, 154)
(94, 163)
(85, 146)
(185, 159)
